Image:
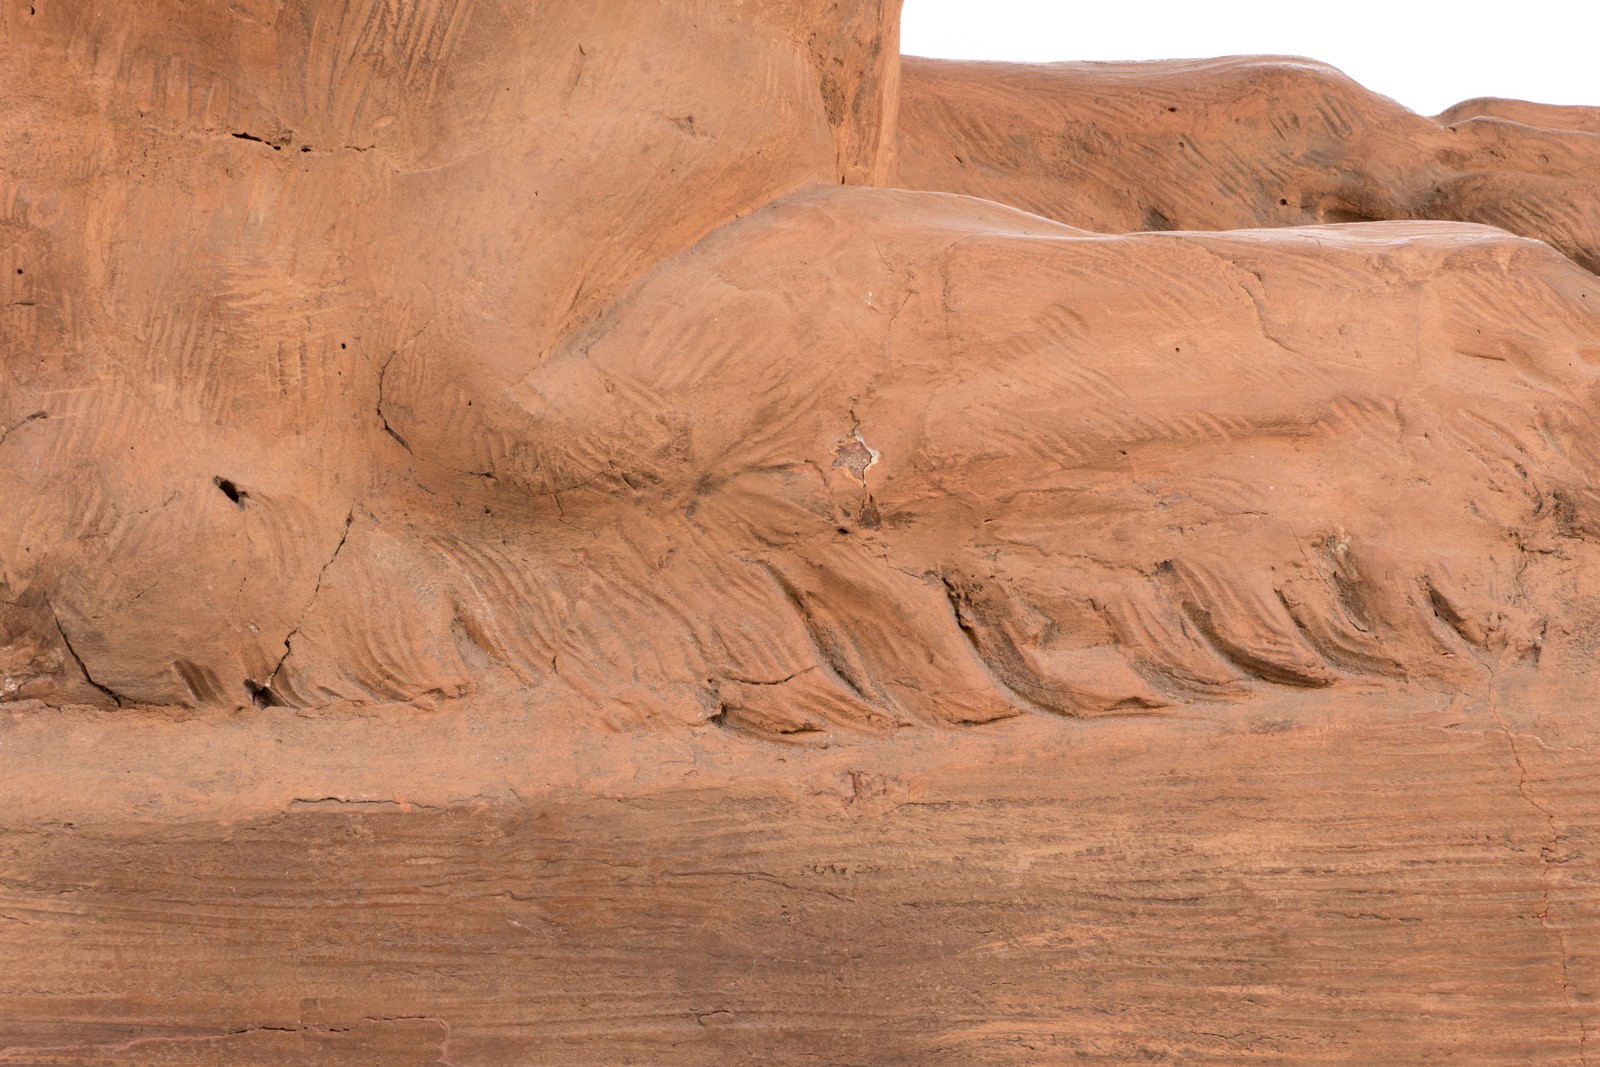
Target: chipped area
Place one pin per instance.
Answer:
(855, 455)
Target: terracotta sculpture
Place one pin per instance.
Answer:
(696, 369)
(511, 347)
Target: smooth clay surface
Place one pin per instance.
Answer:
(596, 532)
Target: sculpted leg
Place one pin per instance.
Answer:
(1223, 144)
(551, 387)
(958, 462)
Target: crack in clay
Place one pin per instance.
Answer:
(383, 372)
(35, 417)
(775, 681)
(264, 691)
(282, 143)
(73, 652)
(382, 418)
(334, 803)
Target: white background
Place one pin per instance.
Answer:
(1427, 55)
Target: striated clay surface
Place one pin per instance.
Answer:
(596, 532)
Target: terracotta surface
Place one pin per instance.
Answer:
(603, 533)
(1253, 141)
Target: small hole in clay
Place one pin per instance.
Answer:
(261, 696)
(229, 490)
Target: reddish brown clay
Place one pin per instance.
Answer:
(596, 533)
